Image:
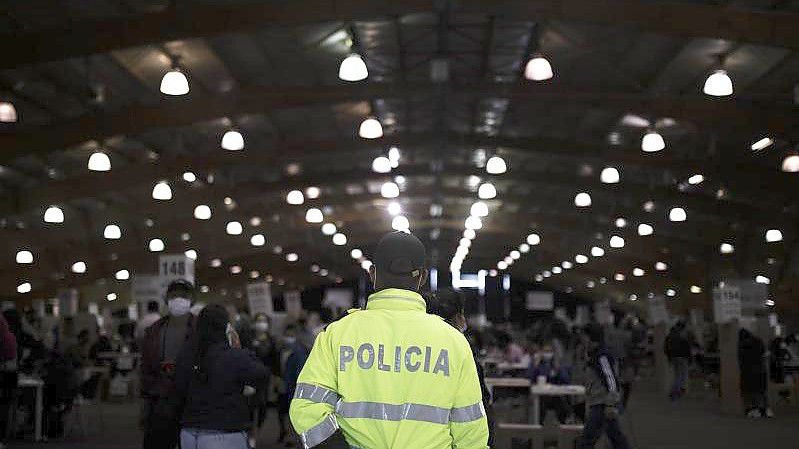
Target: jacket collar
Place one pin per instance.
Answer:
(396, 299)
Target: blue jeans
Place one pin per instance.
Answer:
(212, 439)
(680, 365)
(595, 424)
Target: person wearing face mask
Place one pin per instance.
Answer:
(161, 345)
(392, 375)
(546, 366)
(448, 304)
(263, 346)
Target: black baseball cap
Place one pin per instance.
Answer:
(400, 254)
(180, 285)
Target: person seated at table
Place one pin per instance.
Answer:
(513, 353)
(547, 367)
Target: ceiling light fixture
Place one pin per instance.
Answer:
(696, 179)
(99, 161)
(616, 242)
(677, 214)
(8, 113)
(79, 267)
(791, 163)
(189, 176)
(24, 257)
(174, 82)
(473, 223)
(328, 229)
(773, 235)
(394, 208)
(718, 84)
(645, 229)
(652, 142)
(609, 175)
(54, 214)
(581, 258)
(370, 129)
(726, 248)
(621, 222)
(292, 257)
(112, 232)
(234, 228)
(353, 68)
(538, 68)
(356, 253)
(162, 191)
(496, 166)
(389, 190)
(339, 239)
(258, 240)
(232, 141)
(314, 215)
(661, 266)
(582, 199)
(524, 247)
(486, 191)
(295, 197)
(202, 212)
(400, 223)
(597, 251)
(479, 209)
(122, 275)
(156, 245)
(191, 254)
(381, 164)
(762, 144)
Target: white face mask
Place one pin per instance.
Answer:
(261, 326)
(179, 306)
(290, 340)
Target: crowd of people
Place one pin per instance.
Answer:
(211, 377)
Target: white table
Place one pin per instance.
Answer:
(506, 382)
(538, 390)
(38, 386)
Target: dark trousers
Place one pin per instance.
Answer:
(558, 404)
(161, 430)
(595, 424)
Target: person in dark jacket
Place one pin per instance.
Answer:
(448, 304)
(602, 395)
(160, 347)
(545, 365)
(678, 350)
(263, 345)
(211, 379)
(754, 380)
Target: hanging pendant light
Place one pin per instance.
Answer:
(99, 161)
(496, 166)
(54, 214)
(232, 141)
(112, 232)
(314, 215)
(479, 209)
(295, 197)
(677, 214)
(353, 68)
(487, 191)
(610, 175)
(162, 191)
(538, 68)
(370, 129)
(234, 228)
(174, 82)
(156, 245)
(582, 199)
(400, 223)
(791, 163)
(389, 190)
(652, 142)
(24, 257)
(381, 164)
(718, 84)
(473, 223)
(8, 113)
(202, 212)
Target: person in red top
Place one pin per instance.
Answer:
(161, 345)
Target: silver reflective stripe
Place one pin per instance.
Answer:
(319, 432)
(402, 298)
(315, 393)
(469, 413)
(393, 412)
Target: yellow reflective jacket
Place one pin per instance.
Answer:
(391, 376)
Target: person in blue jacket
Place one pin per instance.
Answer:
(546, 365)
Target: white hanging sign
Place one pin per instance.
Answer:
(259, 296)
(658, 313)
(726, 303)
(293, 302)
(537, 300)
(172, 267)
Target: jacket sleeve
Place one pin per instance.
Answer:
(609, 379)
(312, 408)
(252, 370)
(468, 424)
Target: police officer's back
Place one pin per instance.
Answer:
(392, 376)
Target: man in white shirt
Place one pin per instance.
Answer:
(148, 319)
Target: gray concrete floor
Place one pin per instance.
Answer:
(652, 422)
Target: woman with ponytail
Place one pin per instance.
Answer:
(213, 376)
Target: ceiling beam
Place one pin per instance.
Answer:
(747, 117)
(86, 37)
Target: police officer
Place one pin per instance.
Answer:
(391, 376)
